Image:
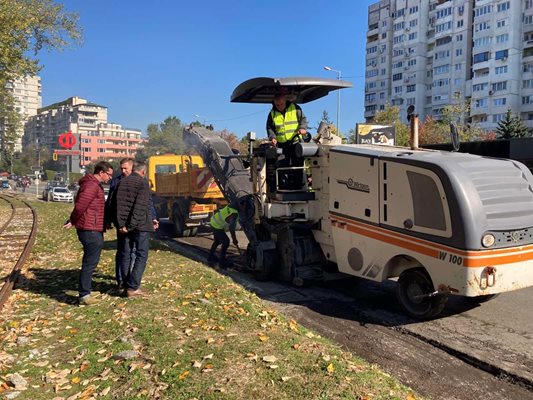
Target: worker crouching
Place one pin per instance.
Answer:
(223, 220)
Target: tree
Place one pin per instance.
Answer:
(391, 116)
(511, 127)
(166, 137)
(459, 114)
(27, 27)
(432, 131)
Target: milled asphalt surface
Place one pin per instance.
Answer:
(472, 351)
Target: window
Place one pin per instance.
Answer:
(413, 10)
(398, 39)
(498, 117)
(458, 52)
(410, 63)
(371, 73)
(442, 69)
(398, 26)
(371, 50)
(527, 84)
(443, 41)
(527, 100)
(370, 97)
(398, 52)
(441, 82)
(458, 81)
(503, 6)
(502, 54)
(500, 102)
(442, 54)
(482, 41)
(480, 87)
(443, 13)
(501, 23)
(528, 67)
(481, 103)
(382, 95)
(397, 64)
(502, 38)
(483, 10)
(481, 57)
(458, 67)
(397, 77)
(443, 27)
(411, 88)
(529, 4)
(499, 86)
(501, 70)
(413, 23)
(459, 38)
(398, 90)
(412, 36)
(482, 26)
(460, 23)
(410, 101)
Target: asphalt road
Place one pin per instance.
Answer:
(473, 351)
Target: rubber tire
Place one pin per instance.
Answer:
(415, 282)
(193, 231)
(268, 271)
(178, 222)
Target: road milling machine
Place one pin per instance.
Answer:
(439, 223)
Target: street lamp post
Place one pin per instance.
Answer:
(338, 96)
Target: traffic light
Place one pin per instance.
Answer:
(54, 156)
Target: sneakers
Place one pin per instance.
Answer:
(135, 293)
(87, 300)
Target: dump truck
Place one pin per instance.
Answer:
(438, 223)
(184, 191)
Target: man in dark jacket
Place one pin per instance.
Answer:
(88, 218)
(134, 221)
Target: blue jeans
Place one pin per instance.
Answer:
(137, 244)
(92, 242)
(121, 243)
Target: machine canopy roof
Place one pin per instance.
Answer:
(299, 89)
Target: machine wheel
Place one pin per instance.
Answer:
(179, 222)
(193, 231)
(413, 287)
(270, 260)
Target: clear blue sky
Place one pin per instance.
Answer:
(146, 60)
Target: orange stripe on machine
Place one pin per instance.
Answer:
(427, 248)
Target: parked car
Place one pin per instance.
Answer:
(5, 185)
(47, 192)
(60, 193)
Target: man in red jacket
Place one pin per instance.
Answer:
(88, 218)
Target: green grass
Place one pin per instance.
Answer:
(198, 335)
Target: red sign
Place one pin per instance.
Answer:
(67, 152)
(67, 140)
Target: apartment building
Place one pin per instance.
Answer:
(439, 52)
(96, 138)
(28, 99)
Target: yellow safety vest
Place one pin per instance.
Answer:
(218, 221)
(286, 125)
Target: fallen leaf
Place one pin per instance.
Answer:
(330, 368)
(183, 375)
(270, 359)
(293, 325)
(262, 337)
(76, 379)
(105, 391)
(208, 357)
(197, 364)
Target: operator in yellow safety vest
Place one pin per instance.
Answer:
(287, 125)
(225, 219)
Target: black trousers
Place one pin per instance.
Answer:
(221, 238)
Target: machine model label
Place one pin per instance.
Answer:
(353, 185)
(452, 258)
